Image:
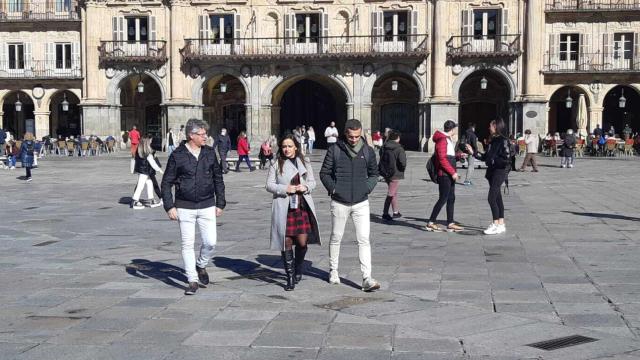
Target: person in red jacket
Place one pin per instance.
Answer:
(445, 163)
(243, 152)
(134, 135)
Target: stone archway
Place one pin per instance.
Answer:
(479, 104)
(395, 98)
(224, 99)
(64, 123)
(619, 117)
(19, 122)
(311, 100)
(142, 109)
(561, 117)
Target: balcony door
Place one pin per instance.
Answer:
(569, 50)
(222, 31)
(137, 36)
(15, 9)
(62, 7)
(18, 58)
(307, 33)
(623, 51)
(485, 30)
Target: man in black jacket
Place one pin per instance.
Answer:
(350, 172)
(194, 170)
(223, 144)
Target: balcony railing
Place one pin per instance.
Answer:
(490, 46)
(339, 47)
(41, 69)
(591, 5)
(39, 10)
(152, 52)
(590, 63)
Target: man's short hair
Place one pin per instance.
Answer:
(449, 125)
(527, 132)
(352, 124)
(194, 125)
(394, 135)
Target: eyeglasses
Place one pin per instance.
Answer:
(204, 134)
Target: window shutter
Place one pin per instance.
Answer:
(75, 58)
(376, 26)
(413, 26)
(114, 28)
(49, 56)
(118, 28)
(505, 22)
(553, 53)
(584, 57)
(4, 61)
(27, 56)
(152, 28)
(289, 28)
(607, 50)
(635, 61)
(325, 32)
(236, 28)
(467, 23)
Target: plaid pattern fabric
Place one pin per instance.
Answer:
(298, 222)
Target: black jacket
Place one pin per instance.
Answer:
(472, 139)
(142, 166)
(223, 143)
(349, 180)
(393, 161)
(568, 145)
(198, 182)
(498, 155)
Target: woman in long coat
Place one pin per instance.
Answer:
(26, 153)
(293, 214)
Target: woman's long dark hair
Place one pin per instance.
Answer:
(282, 157)
(500, 127)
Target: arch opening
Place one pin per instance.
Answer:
(19, 122)
(64, 123)
(620, 117)
(395, 99)
(142, 109)
(224, 101)
(480, 105)
(561, 117)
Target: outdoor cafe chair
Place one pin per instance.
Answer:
(71, 148)
(61, 147)
(611, 148)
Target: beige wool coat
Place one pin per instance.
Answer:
(277, 185)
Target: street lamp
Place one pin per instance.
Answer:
(394, 85)
(568, 102)
(622, 102)
(140, 86)
(223, 87)
(65, 103)
(483, 83)
(18, 104)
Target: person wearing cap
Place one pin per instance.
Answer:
(445, 162)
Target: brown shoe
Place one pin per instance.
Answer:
(453, 227)
(191, 290)
(432, 227)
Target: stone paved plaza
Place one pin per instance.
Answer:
(85, 277)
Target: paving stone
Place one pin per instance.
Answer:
(352, 354)
(289, 340)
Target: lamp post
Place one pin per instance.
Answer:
(65, 103)
(394, 85)
(483, 83)
(140, 86)
(18, 104)
(223, 87)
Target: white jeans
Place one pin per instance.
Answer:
(359, 213)
(206, 220)
(142, 181)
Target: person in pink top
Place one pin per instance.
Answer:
(243, 152)
(134, 136)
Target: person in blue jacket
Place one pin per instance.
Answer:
(26, 154)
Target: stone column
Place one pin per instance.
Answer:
(178, 114)
(534, 49)
(595, 117)
(101, 120)
(440, 112)
(271, 113)
(439, 51)
(365, 115)
(1, 120)
(42, 123)
(182, 20)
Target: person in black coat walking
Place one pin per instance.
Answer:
(497, 158)
(393, 162)
(26, 154)
(472, 140)
(568, 145)
(223, 144)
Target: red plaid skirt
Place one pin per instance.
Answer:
(298, 222)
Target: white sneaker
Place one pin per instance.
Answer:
(502, 228)
(334, 278)
(562, 166)
(154, 203)
(570, 166)
(492, 229)
(370, 284)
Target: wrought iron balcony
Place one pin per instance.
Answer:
(591, 5)
(333, 47)
(39, 10)
(490, 46)
(126, 52)
(597, 62)
(40, 69)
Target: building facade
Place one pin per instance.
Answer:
(267, 66)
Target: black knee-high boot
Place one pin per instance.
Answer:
(287, 260)
(300, 254)
(387, 204)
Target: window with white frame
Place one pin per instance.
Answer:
(16, 56)
(137, 29)
(485, 24)
(63, 5)
(308, 27)
(222, 28)
(569, 45)
(623, 46)
(395, 25)
(63, 56)
(16, 5)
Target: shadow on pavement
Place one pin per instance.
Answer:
(249, 270)
(167, 273)
(604, 216)
(395, 222)
(125, 200)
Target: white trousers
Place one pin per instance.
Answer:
(360, 215)
(206, 221)
(142, 181)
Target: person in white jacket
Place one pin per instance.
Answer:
(531, 142)
(331, 133)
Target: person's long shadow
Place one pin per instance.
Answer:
(604, 216)
(396, 222)
(249, 270)
(309, 269)
(167, 273)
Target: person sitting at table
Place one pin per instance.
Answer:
(557, 137)
(548, 137)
